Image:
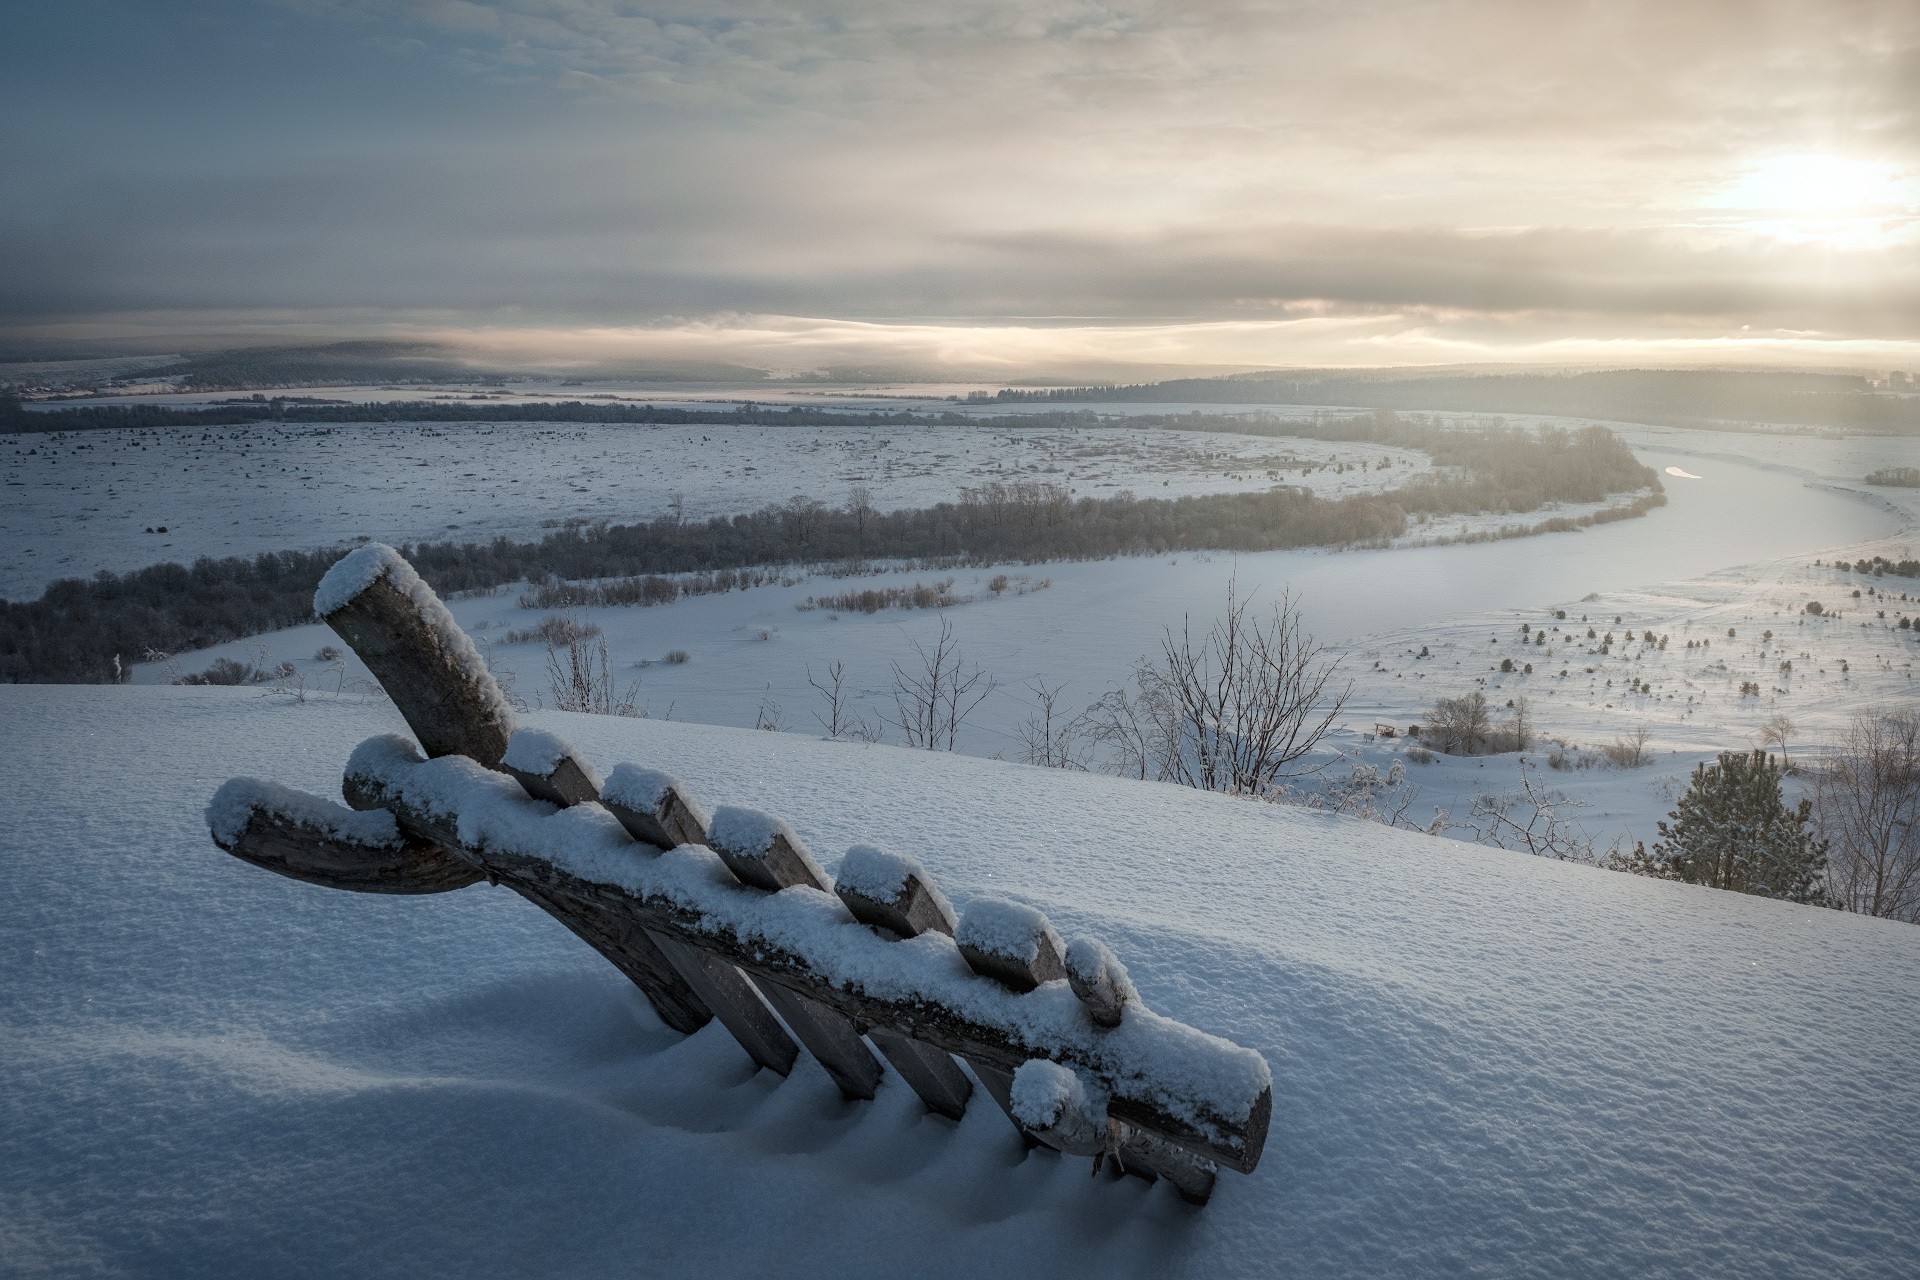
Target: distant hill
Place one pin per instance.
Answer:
(332, 364)
(1667, 396)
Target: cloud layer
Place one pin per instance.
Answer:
(1221, 183)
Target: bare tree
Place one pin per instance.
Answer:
(934, 697)
(1239, 709)
(1460, 725)
(1775, 732)
(1051, 738)
(832, 689)
(1520, 724)
(1867, 808)
(840, 720)
(860, 507)
(1119, 723)
(580, 678)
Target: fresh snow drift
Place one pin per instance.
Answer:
(1483, 1064)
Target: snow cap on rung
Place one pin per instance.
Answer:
(892, 890)
(653, 806)
(550, 768)
(762, 850)
(1010, 942)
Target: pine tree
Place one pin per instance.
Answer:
(1731, 830)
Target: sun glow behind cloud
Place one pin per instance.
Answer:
(1838, 201)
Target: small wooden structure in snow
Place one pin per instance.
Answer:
(727, 916)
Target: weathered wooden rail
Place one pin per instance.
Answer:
(728, 916)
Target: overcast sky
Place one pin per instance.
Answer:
(971, 184)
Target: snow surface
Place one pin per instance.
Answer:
(1484, 1064)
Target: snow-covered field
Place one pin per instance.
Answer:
(1485, 1064)
(121, 500)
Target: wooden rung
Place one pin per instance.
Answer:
(998, 1083)
(892, 891)
(1052, 1102)
(761, 850)
(654, 807)
(1099, 979)
(764, 852)
(831, 1037)
(548, 769)
(633, 951)
(932, 1073)
(1011, 943)
(256, 822)
(1144, 1154)
(734, 1001)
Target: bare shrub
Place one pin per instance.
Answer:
(1520, 724)
(677, 656)
(1365, 792)
(1535, 820)
(934, 696)
(1419, 754)
(580, 679)
(557, 629)
(1867, 809)
(327, 653)
(226, 671)
(1630, 751)
(920, 595)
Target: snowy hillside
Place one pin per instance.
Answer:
(1483, 1063)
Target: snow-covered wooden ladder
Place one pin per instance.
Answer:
(727, 915)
